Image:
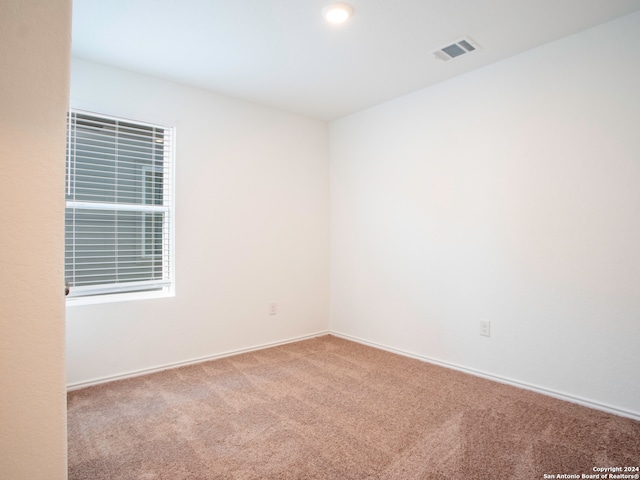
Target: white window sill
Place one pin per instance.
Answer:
(118, 297)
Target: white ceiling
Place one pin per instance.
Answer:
(281, 52)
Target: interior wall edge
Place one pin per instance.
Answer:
(496, 378)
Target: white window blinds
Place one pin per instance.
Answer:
(118, 205)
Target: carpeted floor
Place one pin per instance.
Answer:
(328, 409)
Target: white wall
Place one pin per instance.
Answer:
(35, 39)
(510, 194)
(252, 213)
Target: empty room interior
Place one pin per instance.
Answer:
(403, 245)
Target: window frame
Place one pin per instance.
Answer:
(129, 290)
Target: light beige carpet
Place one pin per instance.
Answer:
(328, 408)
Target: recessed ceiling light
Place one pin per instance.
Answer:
(337, 12)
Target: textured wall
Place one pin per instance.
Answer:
(508, 194)
(34, 84)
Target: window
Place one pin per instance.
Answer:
(118, 205)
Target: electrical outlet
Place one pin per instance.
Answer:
(273, 308)
(485, 328)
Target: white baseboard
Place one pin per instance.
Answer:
(193, 361)
(496, 378)
(471, 371)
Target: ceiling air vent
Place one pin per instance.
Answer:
(456, 49)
